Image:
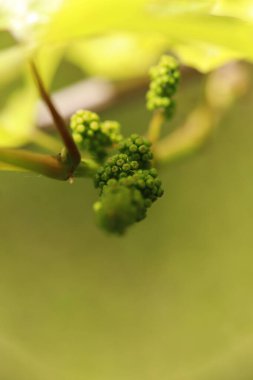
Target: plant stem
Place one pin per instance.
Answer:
(66, 136)
(86, 168)
(39, 163)
(189, 137)
(10, 168)
(156, 123)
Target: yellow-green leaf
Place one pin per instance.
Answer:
(204, 57)
(82, 19)
(12, 61)
(123, 55)
(17, 117)
(240, 9)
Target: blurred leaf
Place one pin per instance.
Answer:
(201, 40)
(129, 56)
(82, 18)
(17, 118)
(134, 16)
(183, 6)
(25, 19)
(48, 59)
(240, 9)
(12, 61)
(204, 57)
(214, 30)
(6, 40)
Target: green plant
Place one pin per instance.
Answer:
(123, 169)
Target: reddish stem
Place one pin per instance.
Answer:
(66, 136)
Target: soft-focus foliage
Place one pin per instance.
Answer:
(117, 56)
(242, 9)
(205, 56)
(18, 111)
(116, 40)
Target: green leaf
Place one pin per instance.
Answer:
(135, 16)
(12, 61)
(200, 39)
(184, 6)
(89, 18)
(130, 55)
(17, 117)
(6, 40)
(240, 9)
(48, 58)
(25, 20)
(204, 57)
(215, 30)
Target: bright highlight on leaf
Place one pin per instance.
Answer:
(26, 18)
(240, 9)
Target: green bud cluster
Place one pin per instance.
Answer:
(137, 148)
(116, 167)
(164, 81)
(128, 186)
(119, 207)
(94, 135)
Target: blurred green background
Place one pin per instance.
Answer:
(170, 300)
